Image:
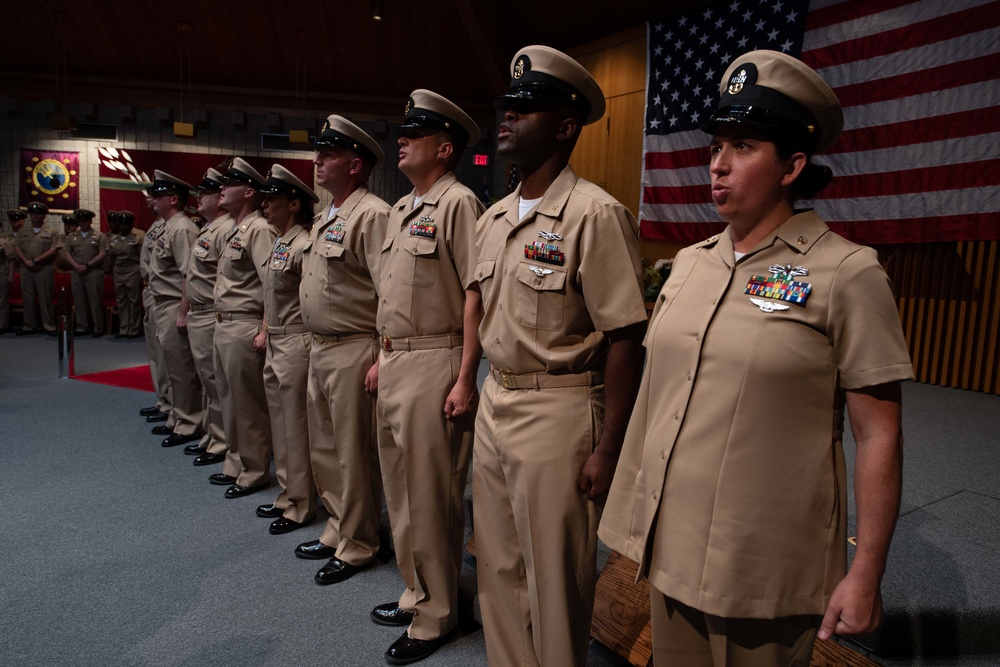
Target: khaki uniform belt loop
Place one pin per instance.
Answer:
(285, 331)
(509, 380)
(390, 344)
(324, 339)
(238, 317)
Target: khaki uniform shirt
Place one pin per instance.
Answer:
(204, 263)
(428, 261)
(33, 244)
(148, 243)
(245, 249)
(171, 255)
(85, 248)
(6, 249)
(341, 261)
(282, 277)
(125, 250)
(551, 283)
(730, 491)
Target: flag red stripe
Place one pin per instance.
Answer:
(684, 194)
(981, 227)
(848, 11)
(908, 181)
(922, 130)
(908, 37)
(975, 70)
(690, 157)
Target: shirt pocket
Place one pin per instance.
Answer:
(335, 256)
(235, 263)
(541, 296)
(284, 280)
(422, 254)
(484, 276)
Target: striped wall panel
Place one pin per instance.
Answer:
(949, 304)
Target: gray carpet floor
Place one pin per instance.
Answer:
(116, 551)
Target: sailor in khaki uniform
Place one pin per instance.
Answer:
(731, 489)
(168, 264)
(124, 249)
(7, 259)
(36, 246)
(428, 314)
(560, 274)
(339, 303)
(239, 317)
(288, 207)
(161, 411)
(84, 250)
(197, 316)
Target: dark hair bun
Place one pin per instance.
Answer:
(812, 180)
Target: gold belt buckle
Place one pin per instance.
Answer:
(507, 379)
(387, 343)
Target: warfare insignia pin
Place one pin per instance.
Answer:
(550, 236)
(539, 271)
(769, 306)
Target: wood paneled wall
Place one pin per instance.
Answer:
(949, 303)
(948, 293)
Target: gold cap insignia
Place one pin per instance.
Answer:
(326, 126)
(519, 67)
(409, 106)
(736, 82)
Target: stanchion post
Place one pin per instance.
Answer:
(64, 324)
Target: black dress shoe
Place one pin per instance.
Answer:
(270, 511)
(314, 550)
(26, 332)
(161, 430)
(150, 411)
(51, 332)
(161, 417)
(175, 439)
(119, 335)
(336, 571)
(194, 450)
(282, 525)
(97, 334)
(221, 478)
(406, 650)
(211, 459)
(390, 613)
(238, 490)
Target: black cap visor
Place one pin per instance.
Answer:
(334, 139)
(423, 123)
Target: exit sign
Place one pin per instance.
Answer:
(480, 160)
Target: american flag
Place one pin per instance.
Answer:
(919, 159)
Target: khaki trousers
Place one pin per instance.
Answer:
(425, 468)
(286, 373)
(342, 446)
(201, 335)
(39, 284)
(536, 534)
(686, 637)
(88, 300)
(157, 369)
(128, 293)
(239, 371)
(185, 388)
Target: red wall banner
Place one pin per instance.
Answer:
(125, 174)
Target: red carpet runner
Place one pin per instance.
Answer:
(136, 377)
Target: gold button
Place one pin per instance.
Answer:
(802, 240)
